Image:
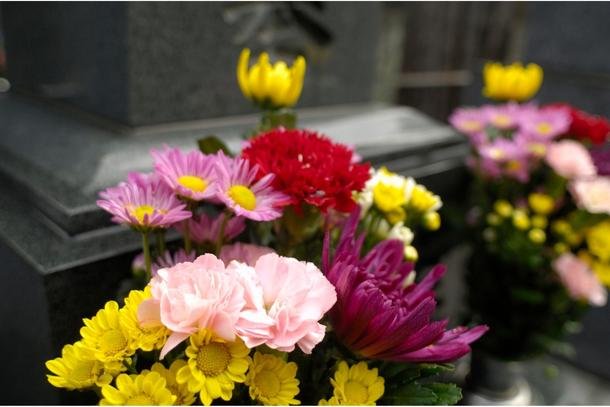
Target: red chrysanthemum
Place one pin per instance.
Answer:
(585, 126)
(309, 168)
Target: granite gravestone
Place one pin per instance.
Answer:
(138, 65)
(147, 62)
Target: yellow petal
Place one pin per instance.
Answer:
(242, 72)
(296, 83)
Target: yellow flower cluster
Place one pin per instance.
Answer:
(270, 86)
(533, 224)
(355, 385)
(511, 82)
(598, 254)
(399, 203)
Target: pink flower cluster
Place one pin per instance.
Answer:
(510, 139)
(159, 200)
(277, 302)
(579, 280)
(590, 189)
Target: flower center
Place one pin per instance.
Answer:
(267, 383)
(213, 359)
(193, 183)
(471, 125)
(140, 400)
(113, 342)
(83, 371)
(496, 153)
(356, 392)
(538, 149)
(544, 128)
(243, 196)
(501, 120)
(142, 210)
(513, 165)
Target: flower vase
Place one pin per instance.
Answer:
(493, 381)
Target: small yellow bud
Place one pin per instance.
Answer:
(432, 221)
(489, 234)
(560, 248)
(493, 219)
(411, 253)
(537, 235)
(561, 227)
(511, 82)
(520, 219)
(574, 239)
(542, 204)
(503, 208)
(539, 221)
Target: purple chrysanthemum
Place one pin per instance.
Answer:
(191, 175)
(144, 202)
(376, 316)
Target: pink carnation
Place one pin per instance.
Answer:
(592, 194)
(243, 253)
(285, 300)
(192, 296)
(579, 280)
(570, 159)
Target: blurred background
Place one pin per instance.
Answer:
(86, 89)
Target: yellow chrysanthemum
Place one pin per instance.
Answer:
(542, 204)
(598, 240)
(423, 200)
(77, 368)
(602, 271)
(493, 219)
(145, 389)
(146, 338)
(390, 190)
(269, 85)
(562, 227)
(539, 221)
(537, 235)
(184, 397)
(356, 385)
(272, 381)
(520, 219)
(511, 82)
(104, 335)
(503, 208)
(214, 366)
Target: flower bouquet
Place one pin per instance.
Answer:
(540, 215)
(293, 282)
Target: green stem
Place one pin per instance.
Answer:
(147, 259)
(160, 242)
(187, 236)
(221, 234)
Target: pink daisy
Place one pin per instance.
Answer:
(144, 202)
(191, 175)
(238, 190)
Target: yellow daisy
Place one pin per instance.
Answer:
(183, 396)
(272, 381)
(356, 385)
(145, 389)
(598, 240)
(214, 366)
(104, 335)
(145, 338)
(77, 368)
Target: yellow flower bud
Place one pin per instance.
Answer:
(411, 254)
(542, 204)
(560, 248)
(503, 208)
(397, 215)
(537, 235)
(489, 234)
(493, 219)
(270, 86)
(511, 82)
(422, 200)
(561, 227)
(432, 221)
(520, 219)
(598, 240)
(539, 221)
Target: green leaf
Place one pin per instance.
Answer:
(431, 369)
(412, 394)
(212, 144)
(446, 393)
